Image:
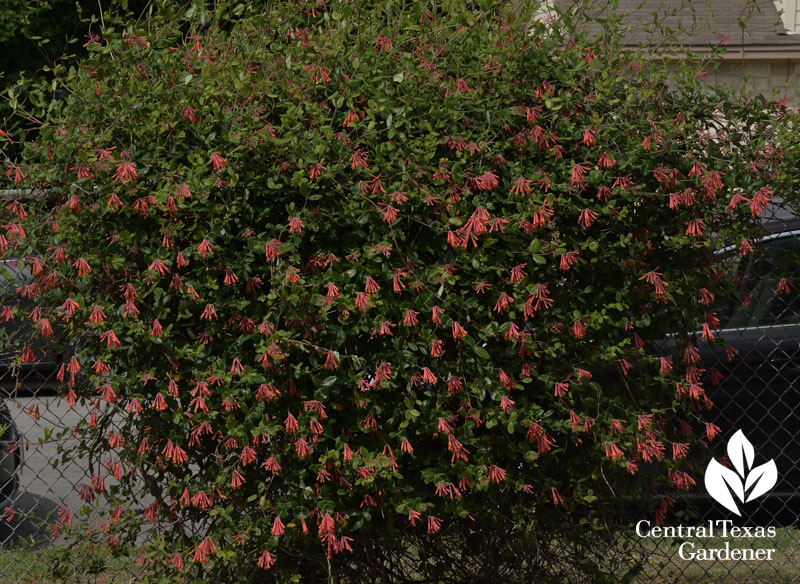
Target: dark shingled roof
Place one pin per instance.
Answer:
(712, 22)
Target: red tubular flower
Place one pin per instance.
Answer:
(230, 277)
(613, 452)
(362, 301)
(503, 303)
(209, 313)
(760, 201)
(236, 367)
(512, 333)
(110, 339)
(45, 328)
(434, 524)
(125, 173)
(521, 186)
(179, 456)
(695, 228)
(176, 560)
(33, 411)
(82, 266)
(410, 319)
(679, 450)
(371, 286)
(561, 388)
(507, 381)
(290, 424)
(487, 181)
(326, 528)
(606, 160)
(691, 355)
(218, 161)
(203, 550)
(266, 560)
(680, 480)
(496, 474)
(302, 449)
(586, 218)
(458, 331)
(272, 250)
(331, 362)
(205, 248)
(578, 172)
(518, 273)
(458, 449)
(711, 430)
(237, 480)
(296, 225)
(413, 516)
(455, 239)
(359, 159)
(159, 403)
(201, 500)
(97, 316)
(159, 266)
(272, 465)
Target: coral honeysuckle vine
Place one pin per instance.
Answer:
(338, 273)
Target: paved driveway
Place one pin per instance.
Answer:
(43, 489)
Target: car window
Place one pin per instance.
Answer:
(766, 285)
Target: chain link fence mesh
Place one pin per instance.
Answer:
(753, 380)
(756, 390)
(38, 481)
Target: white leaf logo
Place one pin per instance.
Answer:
(746, 482)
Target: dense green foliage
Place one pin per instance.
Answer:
(380, 277)
(39, 36)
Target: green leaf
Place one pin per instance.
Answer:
(481, 352)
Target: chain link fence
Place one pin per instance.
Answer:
(39, 482)
(754, 384)
(753, 379)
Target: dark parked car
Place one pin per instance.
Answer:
(760, 391)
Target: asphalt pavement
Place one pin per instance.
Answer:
(43, 488)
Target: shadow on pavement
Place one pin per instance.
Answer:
(32, 515)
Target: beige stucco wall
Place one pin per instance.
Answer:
(761, 75)
(790, 14)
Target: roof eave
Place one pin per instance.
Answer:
(739, 53)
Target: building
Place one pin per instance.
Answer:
(759, 40)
